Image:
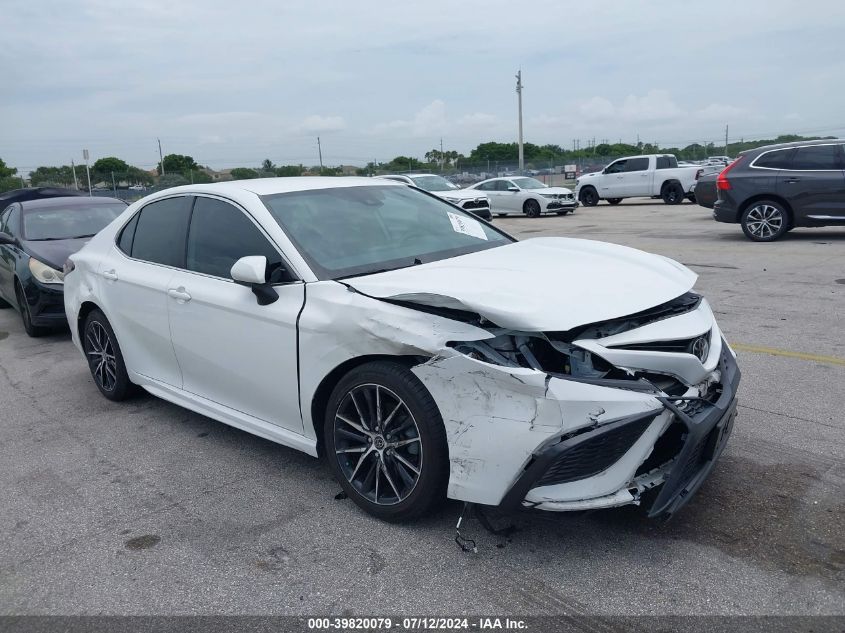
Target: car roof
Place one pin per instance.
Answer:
(68, 201)
(270, 186)
(820, 141)
(36, 193)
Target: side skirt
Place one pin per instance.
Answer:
(226, 415)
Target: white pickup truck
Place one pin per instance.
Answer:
(652, 175)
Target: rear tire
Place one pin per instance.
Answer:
(531, 208)
(105, 359)
(672, 193)
(614, 201)
(589, 197)
(386, 443)
(765, 221)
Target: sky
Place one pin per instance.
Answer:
(232, 83)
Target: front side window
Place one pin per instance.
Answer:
(616, 168)
(71, 221)
(488, 186)
(4, 219)
(816, 158)
(347, 231)
(636, 164)
(161, 229)
(219, 235)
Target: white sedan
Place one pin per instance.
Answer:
(424, 353)
(521, 194)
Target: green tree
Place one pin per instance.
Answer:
(244, 173)
(6, 171)
(110, 164)
(172, 180)
(267, 165)
(177, 164)
(56, 176)
(288, 170)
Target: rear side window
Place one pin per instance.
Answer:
(220, 234)
(778, 159)
(160, 232)
(666, 162)
(816, 158)
(127, 235)
(637, 164)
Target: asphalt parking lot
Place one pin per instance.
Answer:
(147, 508)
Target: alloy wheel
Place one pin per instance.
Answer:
(764, 221)
(377, 444)
(100, 353)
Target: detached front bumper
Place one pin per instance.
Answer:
(682, 442)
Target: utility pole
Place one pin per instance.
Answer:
(726, 140)
(160, 156)
(113, 185)
(519, 98)
(320, 152)
(441, 153)
(73, 169)
(87, 170)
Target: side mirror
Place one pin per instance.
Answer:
(514, 189)
(7, 239)
(252, 271)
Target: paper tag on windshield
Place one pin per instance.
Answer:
(467, 226)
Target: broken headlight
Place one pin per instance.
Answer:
(535, 351)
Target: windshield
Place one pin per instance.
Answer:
(349, 231)
(433, 183)
(528, 183)
(67, 222)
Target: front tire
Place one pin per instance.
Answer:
(105, 359)
(386, 443)
(531, 208)
(589, 197)
(672, 193)
(26, 315)
(765, 221)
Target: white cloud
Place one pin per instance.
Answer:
(655, 105)
(597, 109)
(719, 112)
(428, 121)
(316, 124)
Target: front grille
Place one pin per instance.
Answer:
(475, 204)
(593, 455)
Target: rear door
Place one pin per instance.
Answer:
(135, 278)
(814, 185)
(497, 202)
(231, 350)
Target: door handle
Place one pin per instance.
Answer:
(111, 275)
(179, 294)
(792, 181)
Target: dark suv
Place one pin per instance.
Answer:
(771, 190)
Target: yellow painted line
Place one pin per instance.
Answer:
(832, 360)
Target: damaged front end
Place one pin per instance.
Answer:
(588, 418)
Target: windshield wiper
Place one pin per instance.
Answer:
(57, 239)
(417, 261)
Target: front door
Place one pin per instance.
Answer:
(231, 350)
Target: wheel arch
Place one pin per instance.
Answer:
(320, 399)
(767, 196)
(669, 181)
(85, 309)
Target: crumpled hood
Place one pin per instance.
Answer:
(540, 284)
